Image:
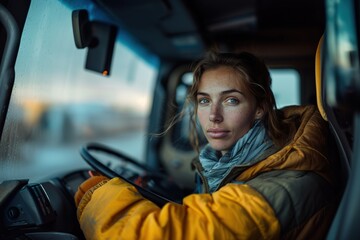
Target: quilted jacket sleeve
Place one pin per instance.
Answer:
(117, 211)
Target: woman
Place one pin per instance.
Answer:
(264, 173)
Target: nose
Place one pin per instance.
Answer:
(215, 114)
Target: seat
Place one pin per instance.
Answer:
(344, 124)
(339, 120)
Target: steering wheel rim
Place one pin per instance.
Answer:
(100, 167)
(96, 164)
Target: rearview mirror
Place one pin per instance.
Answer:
(98, 37)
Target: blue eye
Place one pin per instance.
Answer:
(203, 101)
(232, 101)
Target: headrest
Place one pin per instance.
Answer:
(318, 78)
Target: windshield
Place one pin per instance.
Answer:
(57, 106)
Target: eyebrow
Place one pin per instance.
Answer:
(223, 92)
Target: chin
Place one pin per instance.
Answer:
(220, 147)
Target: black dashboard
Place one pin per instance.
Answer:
(37, 211)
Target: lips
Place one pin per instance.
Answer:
(217, 133)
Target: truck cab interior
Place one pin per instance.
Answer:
(94, 84)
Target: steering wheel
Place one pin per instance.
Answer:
(153, 185)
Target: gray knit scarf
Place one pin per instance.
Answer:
(245, 151)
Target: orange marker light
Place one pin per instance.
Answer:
(105, 73)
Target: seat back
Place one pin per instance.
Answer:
(339, 120)
(339, 82)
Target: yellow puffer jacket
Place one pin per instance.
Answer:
(256, 209)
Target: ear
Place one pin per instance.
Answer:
(259, 113)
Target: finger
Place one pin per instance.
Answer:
(93, 173)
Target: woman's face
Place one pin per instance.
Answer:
(226, 111)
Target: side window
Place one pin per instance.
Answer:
(285, 86)
(180, 134)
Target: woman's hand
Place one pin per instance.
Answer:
(95, 178)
